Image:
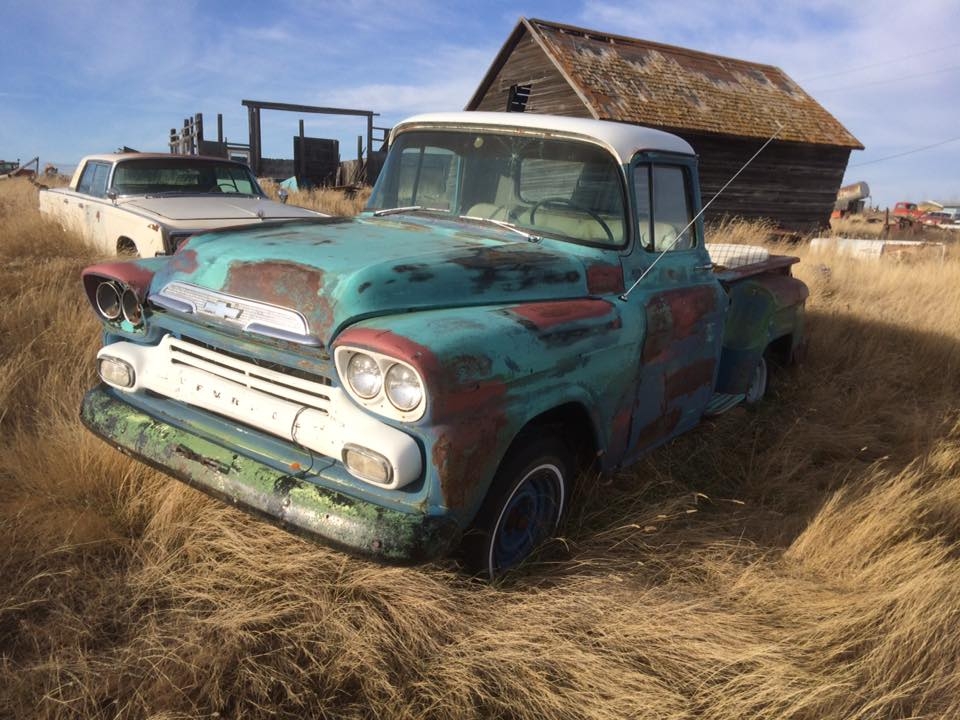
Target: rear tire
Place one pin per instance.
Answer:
(522, 508)
(758, 382)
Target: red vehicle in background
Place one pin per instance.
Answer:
(907, 209)
(935, 218)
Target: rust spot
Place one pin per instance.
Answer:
(389, 343)
(285, 284)
(604, 279)
(547, 315)
(184, 261)
(467, 368)
(129, 273)
(674, 315)
(690, 378)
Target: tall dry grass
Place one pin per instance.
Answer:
(797, 561)
(325, 200)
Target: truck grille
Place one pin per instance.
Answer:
(280, 382)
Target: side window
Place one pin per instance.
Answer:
(641, 190)
(93, 181)
(671, 209)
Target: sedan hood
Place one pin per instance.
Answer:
(336, 270)
(193, 208)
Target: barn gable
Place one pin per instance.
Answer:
(725, 108)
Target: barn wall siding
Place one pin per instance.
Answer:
(550, 92)
(793, 184)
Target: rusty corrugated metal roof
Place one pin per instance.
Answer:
(648, 83)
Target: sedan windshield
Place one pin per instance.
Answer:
(182, 175)
(569, 189)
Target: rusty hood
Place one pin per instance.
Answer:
(336, 270)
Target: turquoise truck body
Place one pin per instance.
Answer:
(244, 363)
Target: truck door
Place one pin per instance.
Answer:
(680, 304)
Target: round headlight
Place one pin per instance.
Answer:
(132, 310)
(403, 387)
(108, 300)
(363, 374)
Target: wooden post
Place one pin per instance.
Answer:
(302, 169)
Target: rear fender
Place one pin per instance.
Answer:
(763, 309)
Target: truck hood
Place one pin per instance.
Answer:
(334, 270)
(193, 208)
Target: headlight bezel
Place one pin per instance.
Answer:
(381, 402)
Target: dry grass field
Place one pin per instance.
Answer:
(798, 561)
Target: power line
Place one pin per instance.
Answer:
(891, 61)
(906, 152)
(889, 80)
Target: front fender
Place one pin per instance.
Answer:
(490, 370)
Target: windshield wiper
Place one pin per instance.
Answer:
(530, 237)
(397, 210)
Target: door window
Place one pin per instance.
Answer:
(662, 199)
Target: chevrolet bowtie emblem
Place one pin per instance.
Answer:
(221, 310)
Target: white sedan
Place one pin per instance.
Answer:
(146, 204)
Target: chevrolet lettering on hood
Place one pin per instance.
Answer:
(523, 297)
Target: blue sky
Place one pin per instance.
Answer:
(91, 75)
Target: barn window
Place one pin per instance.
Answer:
(519, 94)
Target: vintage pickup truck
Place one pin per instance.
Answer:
(524, 293)
(148, 203)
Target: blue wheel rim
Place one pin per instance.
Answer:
(528, 518)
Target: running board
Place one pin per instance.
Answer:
(721, 402)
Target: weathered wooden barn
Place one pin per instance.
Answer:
(725, 108)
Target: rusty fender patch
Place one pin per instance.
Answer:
(284, 284)
(129, 273)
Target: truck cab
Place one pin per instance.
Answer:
(523, 293)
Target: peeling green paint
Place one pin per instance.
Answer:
(293, 502)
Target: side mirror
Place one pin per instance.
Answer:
(282, 192)
(113, 194)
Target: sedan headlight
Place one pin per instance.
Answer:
(404, 390)
(364, 376)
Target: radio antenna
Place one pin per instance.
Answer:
(697, 216)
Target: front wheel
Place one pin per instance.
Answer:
(522, 508)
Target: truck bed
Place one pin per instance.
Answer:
(735, 262)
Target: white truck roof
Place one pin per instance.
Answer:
(622, 139)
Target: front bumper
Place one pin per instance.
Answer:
(290, 500)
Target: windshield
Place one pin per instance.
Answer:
(182, 175)
(568, 189)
